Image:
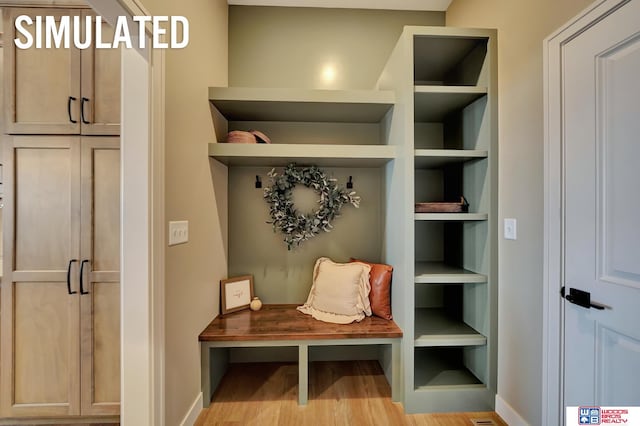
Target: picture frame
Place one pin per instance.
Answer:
(236, 293)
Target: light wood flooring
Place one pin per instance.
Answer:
(340, 393)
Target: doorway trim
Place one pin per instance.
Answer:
(553, 273)
(142, 231)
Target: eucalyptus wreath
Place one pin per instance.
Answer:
(296, 226)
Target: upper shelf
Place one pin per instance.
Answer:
(434, 158)
(273, 155)
(303, 105)
(449, 60)
(434, 103)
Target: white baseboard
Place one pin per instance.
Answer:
(508, 414)
(193, 413)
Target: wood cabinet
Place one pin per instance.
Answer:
(60, 91)
(60, 294)
(60, 290)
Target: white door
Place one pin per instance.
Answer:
(601, 116)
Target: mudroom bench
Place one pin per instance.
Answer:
(284, 326)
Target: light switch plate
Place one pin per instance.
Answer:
(178, 232)
(510, 229)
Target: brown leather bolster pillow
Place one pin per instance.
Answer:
(380, 295)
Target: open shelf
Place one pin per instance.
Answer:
(436, 158)
(447, 217)
(441, 367)
(448, 60)
(441, 273)
(434, 328)
(434, 103)
(302, 105)
(321, 155)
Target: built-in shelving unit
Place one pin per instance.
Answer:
(450, 101)
(426, 135)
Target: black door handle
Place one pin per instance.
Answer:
(82, 110)
(81, 276)
(69, 276)
(71, 98)
(582, 298)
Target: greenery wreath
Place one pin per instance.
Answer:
(296, 226)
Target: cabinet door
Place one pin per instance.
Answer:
(100, 248)
(100, 101)
(42, 86)
(39, 369)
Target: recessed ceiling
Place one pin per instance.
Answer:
(434, 5)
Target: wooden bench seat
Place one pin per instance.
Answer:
(283, 325)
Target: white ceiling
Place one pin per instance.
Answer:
(439, 5)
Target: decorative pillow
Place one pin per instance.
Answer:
(380, 295)
(340, 292)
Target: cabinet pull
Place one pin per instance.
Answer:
(84, 121)
(81, 276)
(69, 276)
(71, 98)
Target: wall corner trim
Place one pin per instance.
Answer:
(508, 414)
(193, 413)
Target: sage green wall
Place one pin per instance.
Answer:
(290, 47)
(195, 190)
(522, 25)
(283, 276)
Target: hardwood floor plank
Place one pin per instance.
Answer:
(340, 393)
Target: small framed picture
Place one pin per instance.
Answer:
(236, 293)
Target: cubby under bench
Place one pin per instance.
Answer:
(282, 326)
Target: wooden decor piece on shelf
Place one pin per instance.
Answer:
(252, 136)
(443, 207)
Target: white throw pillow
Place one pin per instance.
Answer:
(340, 292)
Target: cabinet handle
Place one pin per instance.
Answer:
(71, 98)
(69, 276)
(82, 110)
(81, 275)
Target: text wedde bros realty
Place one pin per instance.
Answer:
(64, 31)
